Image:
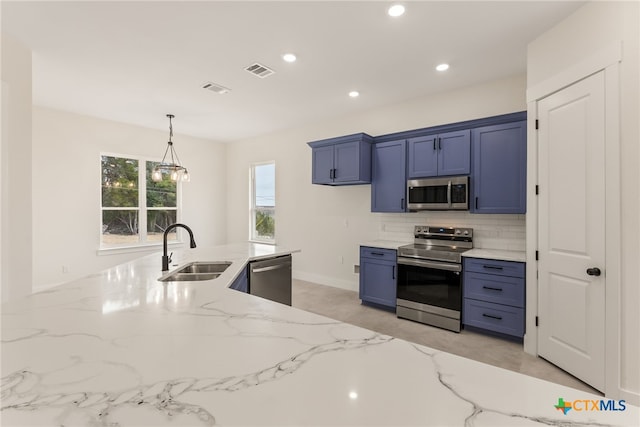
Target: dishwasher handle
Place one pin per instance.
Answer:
(269, 268)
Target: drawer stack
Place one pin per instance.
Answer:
(494, 295)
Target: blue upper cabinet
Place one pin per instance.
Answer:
(422, 160)
(499, 174)
(389, 182)
(322, 171)
(440, 155)
(344, 160)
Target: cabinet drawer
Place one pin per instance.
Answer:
(378, 253)
(492, 266)
(494, 288)
(494, 317)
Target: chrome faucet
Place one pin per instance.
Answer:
(166, 259)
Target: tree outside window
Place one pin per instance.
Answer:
(263, 202)
(135, 209)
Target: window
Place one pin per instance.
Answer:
(135, 209)
(263, 202)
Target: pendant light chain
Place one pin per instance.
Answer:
(176, 171)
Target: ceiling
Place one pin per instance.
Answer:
(134, 62)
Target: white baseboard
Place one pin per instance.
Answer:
(629, 396)
(40, 288)
(350, 285)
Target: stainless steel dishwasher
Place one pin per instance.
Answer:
(271, 279)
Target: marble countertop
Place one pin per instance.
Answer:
(497, 254)
(385, 244)
(119, 348)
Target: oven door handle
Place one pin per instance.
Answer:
(449, 194)
(430, 264)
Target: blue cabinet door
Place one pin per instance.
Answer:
(439, 155)
(454, 153)
(389, 180)
(422, 156)
(241, 283)
(322, 165)
(378, 277)
(346, 162)
(499, 175)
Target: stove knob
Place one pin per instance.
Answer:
(457, 231)
(466, 232)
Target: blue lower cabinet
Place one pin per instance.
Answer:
(378, 275)
(494, 296)
(500, 318)
(241, 283)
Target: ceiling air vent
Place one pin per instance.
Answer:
(214, 87)
(259, 70)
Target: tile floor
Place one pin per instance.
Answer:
(344, 305)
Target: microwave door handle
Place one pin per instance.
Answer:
(449, 193)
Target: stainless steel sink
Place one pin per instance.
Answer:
(186, 277)
(205, 267)
(197, 271)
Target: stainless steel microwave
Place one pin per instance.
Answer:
(449, 193)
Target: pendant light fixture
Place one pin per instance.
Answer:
(176, 171)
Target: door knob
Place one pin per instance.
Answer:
(594, 271)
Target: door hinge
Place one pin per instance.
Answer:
(536, 320)
(537, 124)
(537, 190)
(537, 255)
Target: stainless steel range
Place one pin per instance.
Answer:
(430, 276)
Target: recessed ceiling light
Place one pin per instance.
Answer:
(396, 10)
(442, 67)
(289, 57)
(354, 94)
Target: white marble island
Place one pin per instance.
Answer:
(120, 348)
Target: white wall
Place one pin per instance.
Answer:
(15, 170)
(66, 189)
(592, 27)
(329, 223)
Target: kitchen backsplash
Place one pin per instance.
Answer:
(505, 232)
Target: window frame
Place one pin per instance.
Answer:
(253, 208)
(142, 209)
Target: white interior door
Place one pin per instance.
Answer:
(571, 239)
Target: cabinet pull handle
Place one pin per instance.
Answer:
(492, 267)
(476, 203)
(393, 275)
(402, 203)
(492, 288)
(439, 143)
(491, 316)
(434, 143)
(377, 253)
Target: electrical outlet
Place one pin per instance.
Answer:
(65, 269)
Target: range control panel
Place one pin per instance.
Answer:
(430, 231)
